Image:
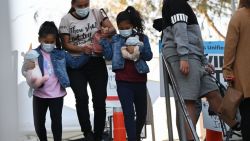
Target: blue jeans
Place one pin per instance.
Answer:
(133, 98)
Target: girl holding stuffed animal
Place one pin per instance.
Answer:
(51, 61)
(129, 50)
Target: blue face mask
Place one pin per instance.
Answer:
(126, 33)
(133, 41)
(48, 47)
(82, 12)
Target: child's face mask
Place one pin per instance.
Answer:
(48, 43)
(126, 32)
(48, 47)
(125, 28)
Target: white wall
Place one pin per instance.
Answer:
(8, 100)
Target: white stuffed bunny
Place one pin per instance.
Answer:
(34, 77)
(132, 42)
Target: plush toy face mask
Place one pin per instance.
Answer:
(133, 41)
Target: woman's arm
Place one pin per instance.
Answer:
(73, 48)
(64, 30)
(231, 43)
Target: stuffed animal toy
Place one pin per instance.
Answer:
(132, 43)
(34, 77)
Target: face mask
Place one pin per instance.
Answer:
(48, 47)
(126, 33)
(82, 12)
(132, 41)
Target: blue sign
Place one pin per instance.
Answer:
(215, 47)
(210, 47)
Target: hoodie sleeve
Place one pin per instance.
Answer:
(181, 39)
(178, 15)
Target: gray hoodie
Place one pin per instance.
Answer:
(182, 35)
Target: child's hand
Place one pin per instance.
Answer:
(28, 65)
(184, 67)
(130, 49)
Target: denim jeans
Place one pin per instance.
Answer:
(133, 98)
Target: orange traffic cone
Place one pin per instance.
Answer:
(213, 135)
(119, 128)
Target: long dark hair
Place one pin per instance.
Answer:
(72, 9)
(49, 27)
(244, 3)
(132, 15)
(164, 8)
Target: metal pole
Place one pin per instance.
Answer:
(180, 122)
(150, 115)
(181, 101)
(167, 98)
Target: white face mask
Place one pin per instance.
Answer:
(126, 33)
(48, 47)
(82, 12)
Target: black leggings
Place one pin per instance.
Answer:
(95, 74)
(245, 119)
(40, 107)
